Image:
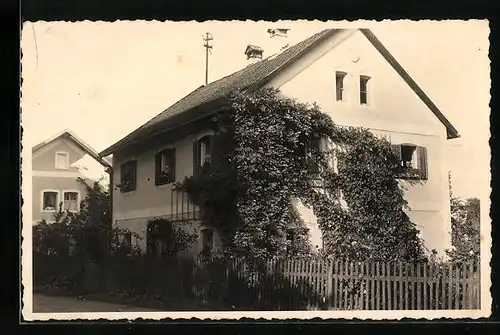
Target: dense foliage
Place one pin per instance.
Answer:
(166, 238)
(267, 160)
(465, 232)
(88, 233)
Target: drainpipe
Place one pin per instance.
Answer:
(109, 170)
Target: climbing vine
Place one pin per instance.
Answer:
(273, 152)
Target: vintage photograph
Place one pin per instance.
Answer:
(228, 169)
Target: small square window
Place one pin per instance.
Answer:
(49, 201)
(62, 160)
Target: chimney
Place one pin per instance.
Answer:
(280, 32)
(254, 53)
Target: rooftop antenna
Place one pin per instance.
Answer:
(208, 48)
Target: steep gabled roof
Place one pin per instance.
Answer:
(255, 76)
(68, 134)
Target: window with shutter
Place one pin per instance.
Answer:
(413, 161)
(165, 167)
(128, 176)
(205, 151)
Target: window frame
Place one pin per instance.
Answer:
(420, 157)
(66, 165)
(78, 199)
(42, 198)
(160, 177)
(339, 89)
(366, 80)
(124, 189)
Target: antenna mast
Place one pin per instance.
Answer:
(207, 38)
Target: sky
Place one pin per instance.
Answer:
(102, 80)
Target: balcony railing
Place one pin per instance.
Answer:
(181, 208)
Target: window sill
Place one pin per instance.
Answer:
(165, 184)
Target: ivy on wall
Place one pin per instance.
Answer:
(272, 151)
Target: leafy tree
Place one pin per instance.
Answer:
(88, 233)
(465, 230)
(267, 158)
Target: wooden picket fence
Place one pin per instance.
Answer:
(344, 285)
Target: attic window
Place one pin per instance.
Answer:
(339, 85)
(62, 160)
(363, 89)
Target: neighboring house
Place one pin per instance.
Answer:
(349, 74)
(55, 172)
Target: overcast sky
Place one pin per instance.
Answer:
(103, 80)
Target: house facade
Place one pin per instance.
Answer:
(55, 173)
(350, 75)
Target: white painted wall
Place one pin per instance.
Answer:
(393, 110)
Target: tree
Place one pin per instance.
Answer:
(465, 230)
(88, 233)
(268, 157)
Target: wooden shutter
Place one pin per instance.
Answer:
(211, 143)
(196, 157)
(158, 175)
(133, 182)
(170, 160)
(422, 162)
(123, 171)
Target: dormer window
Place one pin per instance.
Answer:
(62, 160)
(363, 90)
(339, 85)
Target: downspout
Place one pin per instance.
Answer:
(109, 170)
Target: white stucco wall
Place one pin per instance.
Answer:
(132, 210)
(393, 110)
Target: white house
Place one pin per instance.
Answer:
(349, 74)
